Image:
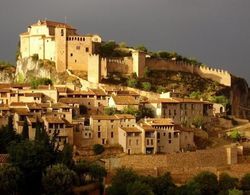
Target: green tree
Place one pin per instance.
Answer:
(198, 121)
(110, 110)
(147, 73)
(58, 180)
(10, 178)
(139, 188)
(205, 183)
(107, 49)
(195, 95)
(132, 82)
(141, 48)
(25, 131)
(164, 54)
(31, 157)
(235, 192)
(67, 156)
(144, 112)
(226, 182)
(161, 89)
(98, 149)
(245, 182)
(235, 135)
(97, 172)
(121, 179)
(146, 86)
(81, 168)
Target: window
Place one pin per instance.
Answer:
(112, 121)
(164, 134)
(99, 121)
(169, 135)
(169, 141)
(147, 142)
(78, 47)
(61, 125)
(71, 54)
(62, 32)
(152, 142)
(50, 126)
(99, 128)
(87, 49)
(129, 142)
(112, 134)
(88, 103)
(99, 134)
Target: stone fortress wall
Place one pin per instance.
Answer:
(138, 63)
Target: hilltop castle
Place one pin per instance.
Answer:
(60, 43)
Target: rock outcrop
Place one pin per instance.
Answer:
(7, 74)
(240, 98)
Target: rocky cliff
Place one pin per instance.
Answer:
(240, 98)
(7, 74)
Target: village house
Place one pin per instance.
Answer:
(122, 102)
(105, 128)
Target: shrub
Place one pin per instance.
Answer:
(245, 182)
(226, 182)
(132, 82)
(146, 86)
(235, 135)
(98, 149)
(35, 57)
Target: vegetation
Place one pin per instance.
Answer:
(35, 82)
(112, 49)
(58, 179)
(35, 57)
(39, 167)
(235, 135)
(98, 149)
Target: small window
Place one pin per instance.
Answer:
(169, 141)
(71, 54)
(62, 32)
(87, 49)
(99, 134)
(112, 134)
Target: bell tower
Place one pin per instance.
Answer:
(61, 48)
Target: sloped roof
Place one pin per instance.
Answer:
(52, 24)
(125, 100)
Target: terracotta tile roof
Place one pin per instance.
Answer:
(33, 95)
(164, 100)
(5, 85)
(98, 92)
(52, 24)
(62, 89)
(159, 121)
(89, 92)
(103, 117)
(33, 119)
(125, 116)
(3, 90)
(147, 128)
(125, 100)
(73, 100)
(4, 107)
(187, 100)
(59, 105)
(126, 92)
(54, 119)
(46, 87)
(180, 128)
(131, 129)
(21, 111)
(4, 158)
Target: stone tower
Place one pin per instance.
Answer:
(138, 62)
(94, 69)
(61, 48)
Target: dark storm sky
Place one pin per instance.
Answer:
(216, 32)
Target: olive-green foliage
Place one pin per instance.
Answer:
(25, 131)
(139, 188)
(245, 182)
(110, 110)
(226, 182)
(146, 86)
(35, 57)
(198, 121)
(204, 183)
(98, 149)
(235, 192)
(195, 95)
(141, 48)
(120, 181)
(10, 178)
(58, 180)
(132, 82)
(35, 82)
(161, 89)
(220, 99)
(8, 135)
(235, 135)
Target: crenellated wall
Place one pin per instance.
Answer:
(220, 76)
(121, 65)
